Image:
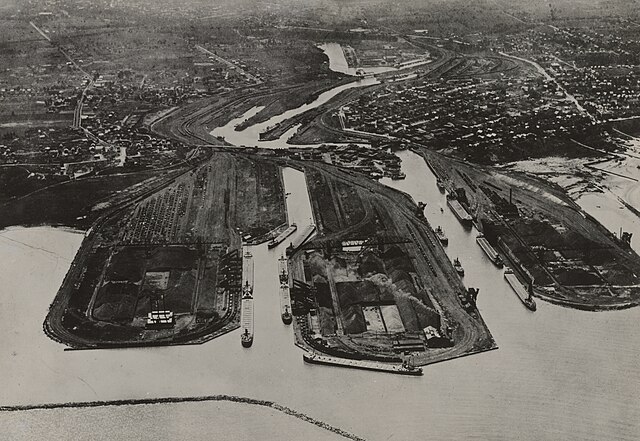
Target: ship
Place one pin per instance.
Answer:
(246, 310)
(491, 253)
(403, 369)
(282, 236)
(523, 294)
(463, 216)
(285, 304)
(283, 272)
(444, 240)
(302, 238)
(458, 266)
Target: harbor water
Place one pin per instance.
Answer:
(558, 373)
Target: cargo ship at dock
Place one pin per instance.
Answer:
(491, 253)
(402, 369)
(285, 304)
(282, 236)
(285, 297)
(246, 309)
(523, 294)
(463, 216)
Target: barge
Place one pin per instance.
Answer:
(282, 236)
(491, 253)
(246, 309)
(523, 294)
(402, 369)
(463, 216)
(302, 238)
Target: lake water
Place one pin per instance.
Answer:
(558, 373)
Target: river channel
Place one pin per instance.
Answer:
(558, 373)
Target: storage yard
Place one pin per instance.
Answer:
(545, 237)
(375, 284)
(174, 254)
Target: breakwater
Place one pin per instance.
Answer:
(176, 400)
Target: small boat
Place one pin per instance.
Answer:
(458, 266)
(287, 318)
(440, 185)
(441, 236)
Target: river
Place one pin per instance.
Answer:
(558, 373)
(250, 136)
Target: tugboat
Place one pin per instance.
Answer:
(458, 266)
(444, 240)
(287, 318)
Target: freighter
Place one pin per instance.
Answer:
(283, 272)
(402, 369)
(463, 216)
(523, 294)
(282, 236)
(285, 304)
(489, 250)
(444, 240)
(246, 319)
